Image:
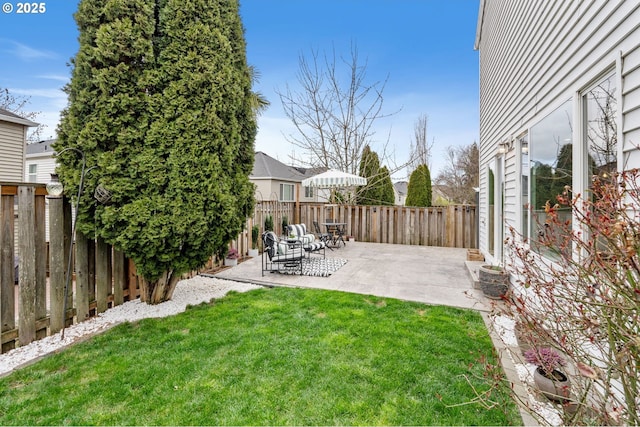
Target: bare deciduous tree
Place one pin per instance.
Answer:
(334, 112)
(16, 105)
(420, 149)
(460, 174)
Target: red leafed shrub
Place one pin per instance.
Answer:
(578, 290)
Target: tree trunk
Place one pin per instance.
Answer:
(160, 290)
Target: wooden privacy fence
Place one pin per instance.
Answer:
(32, 304)
(447, 226)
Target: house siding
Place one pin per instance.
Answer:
(534, 56)
(46, 166)
(631, 105)
(12, 143)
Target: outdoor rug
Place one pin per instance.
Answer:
(320, 267)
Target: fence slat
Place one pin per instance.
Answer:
(40, 245)
(119, 277)
(103, 275)
(27, 264)
(133, 281)
(7, 272)
(82, 276)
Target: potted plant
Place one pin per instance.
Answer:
(232, 257)
(268, 223)
(553, 383)
(255, 236)
(494, 281)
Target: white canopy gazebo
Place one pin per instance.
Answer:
(334, 179)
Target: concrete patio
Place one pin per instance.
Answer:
(431, 275)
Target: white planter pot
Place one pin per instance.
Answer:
(230, 262)
(253, 253)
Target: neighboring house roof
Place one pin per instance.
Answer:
(10, 117)
(266, 167)
(401, 187)
(309, 172)
(41, 147)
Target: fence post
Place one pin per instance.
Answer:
(56, 262)
(68, 241)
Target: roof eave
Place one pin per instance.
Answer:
(17, 120)
(476, 45)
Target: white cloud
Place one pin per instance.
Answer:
(28, 53)
(41, 93)
(56, 77)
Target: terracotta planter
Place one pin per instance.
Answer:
(494, 281)
(557, 389)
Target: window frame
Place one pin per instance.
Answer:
(580, 143)
(308, 192)
(33, 176)
(282, 194)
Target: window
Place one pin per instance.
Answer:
(551, 168)
(523, 140)
(33, 173)
(308, 192)
(601, 130)
(547, 161)
(491, 210)
(286, 192)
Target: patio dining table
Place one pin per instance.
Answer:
(337, 231)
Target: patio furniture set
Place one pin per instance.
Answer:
(288, 253)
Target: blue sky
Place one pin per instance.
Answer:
(424, 47)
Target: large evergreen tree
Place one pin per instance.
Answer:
(161, 102)
(370, 169)
(379, 188)
(419, 188)
(387, 195)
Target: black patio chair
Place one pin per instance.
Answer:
(281, 255)
(323, 237)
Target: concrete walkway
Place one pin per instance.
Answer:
(431, 275)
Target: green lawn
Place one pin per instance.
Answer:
(268, 357)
